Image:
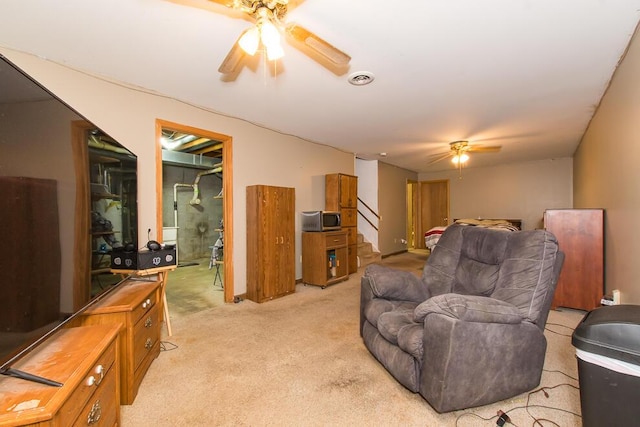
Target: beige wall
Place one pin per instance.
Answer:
(515, 191)
(260, 156)
(392, 199)
(607, 174)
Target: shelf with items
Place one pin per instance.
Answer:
(324, 258)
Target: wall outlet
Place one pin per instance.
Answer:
(616, 297)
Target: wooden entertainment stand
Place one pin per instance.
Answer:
(89, 374)
(101, 358)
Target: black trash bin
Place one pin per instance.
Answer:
(607, 343)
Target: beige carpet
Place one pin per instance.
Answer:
(299, 361)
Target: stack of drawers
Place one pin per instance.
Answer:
(84, 360)
(136, 306)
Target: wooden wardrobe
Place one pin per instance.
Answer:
(580, 234)
(270, 242)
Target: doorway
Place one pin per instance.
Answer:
(427, 207)
(194, 208)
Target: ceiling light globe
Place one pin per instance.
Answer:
(250, 40)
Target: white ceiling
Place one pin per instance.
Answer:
(523, 74)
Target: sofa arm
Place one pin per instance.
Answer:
(469, 308)
(393, 284)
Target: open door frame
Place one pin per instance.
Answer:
(227, 193)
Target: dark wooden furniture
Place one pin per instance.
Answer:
(29, 253)
(136, 307)
(270, 242)
(84, 360)
(341, 194)
(324, 258)
(580, 234)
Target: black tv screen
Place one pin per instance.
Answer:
(68, 194)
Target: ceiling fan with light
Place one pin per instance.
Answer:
(458, 152)
(269, 17)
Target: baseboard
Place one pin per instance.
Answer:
(394, 253)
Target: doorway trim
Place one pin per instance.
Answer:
(227, 192)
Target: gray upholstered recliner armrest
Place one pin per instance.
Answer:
(392, 284)
(469, 308)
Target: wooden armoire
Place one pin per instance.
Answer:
(341, 194)
(580, 234)
(270, 242)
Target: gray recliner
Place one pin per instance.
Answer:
(471, 331)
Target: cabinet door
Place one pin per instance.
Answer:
(285, 246)
(348, 191)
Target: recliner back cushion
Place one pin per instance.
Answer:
(466, 260)
(526, 274)
(515, 267)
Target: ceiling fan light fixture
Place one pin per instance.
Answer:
(460, 158)
(250, 40)
(274, 52)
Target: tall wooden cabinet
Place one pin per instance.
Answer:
(580, 234)
(270, 242)
(341, 194)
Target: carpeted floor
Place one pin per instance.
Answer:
(300, 361)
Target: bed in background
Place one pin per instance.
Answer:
(432, 236)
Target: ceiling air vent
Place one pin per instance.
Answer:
(361, 78)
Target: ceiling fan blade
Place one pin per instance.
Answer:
(440, 157)
(232, 60)
(484, 149)
(324, 48)
(227, 3)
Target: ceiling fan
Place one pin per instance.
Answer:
(269, 17)
(459, 149)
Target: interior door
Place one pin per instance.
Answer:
(434, 207)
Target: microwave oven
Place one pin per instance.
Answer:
(320, 220)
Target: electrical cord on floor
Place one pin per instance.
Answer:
(558, 333)
(167, 346)
(560, 372)
(502, 417)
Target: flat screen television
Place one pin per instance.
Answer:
(68, 194)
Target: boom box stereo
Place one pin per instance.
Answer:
(143, 259)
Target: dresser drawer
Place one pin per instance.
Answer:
(101, 409)
(336, 240)
(145, 335)
(142, 308)
(101, 375)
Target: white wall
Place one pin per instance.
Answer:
(367, 172)
(514, 191)
(606, 174)
(260, 156)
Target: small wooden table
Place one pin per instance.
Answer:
(162, 273)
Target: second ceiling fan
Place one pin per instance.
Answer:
(459, 149)
(269, 18)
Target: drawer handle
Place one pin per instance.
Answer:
(148, 322)
(94, 414)
(91, 381)
(148, 344)
(147, 303)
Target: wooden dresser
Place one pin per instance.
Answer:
(137, 307)
(84, 360)
(324, 258)
(580, 234)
